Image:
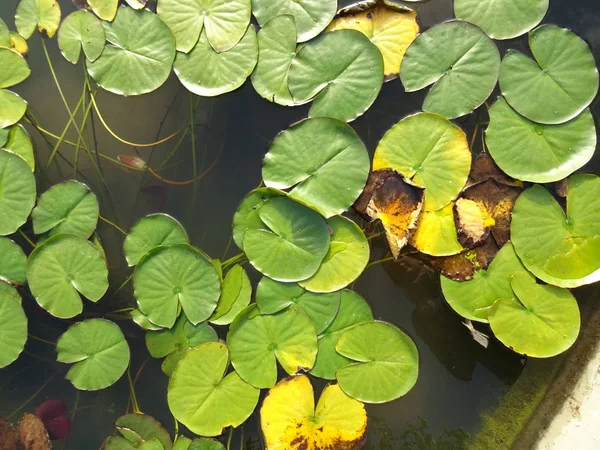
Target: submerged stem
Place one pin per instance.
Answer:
(136, 406)
(229, 438)
(34, 395)
(24, 236)
(114, 225)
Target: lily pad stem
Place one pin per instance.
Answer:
(114, 225)
(229, 438)
(24, 236)
(39, 339)
(136, 406)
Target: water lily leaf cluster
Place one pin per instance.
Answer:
(14, 70)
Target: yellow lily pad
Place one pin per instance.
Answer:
(436, 233)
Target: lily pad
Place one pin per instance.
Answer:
(329, 180)
(13, 324)
(19, 142)
(341, 70)
(205, 72)
(223, 22)
(206, 444)
(353, 310)
(461, 63)
(387, 362)
(13, 262)
(258, 341)
(139, 55)
(557, 247)
(66, 208)
(556, 87)
(13, 68)
(139, 429)
(150, 232)
(289, 418)
(539, 153)
(246, 216)
(272, 297)
(81, 30)
(17, 195)
(293, 246)
(392, 30)
(430, 151)
(436, 233)
(98, 351)
(473, 299)
(105, 9)
(142, 321)
(311, 16)
(120, 443)
(502, 19)
(4, 34)
(18, 43)
(542, 321)
(276, 50)
(41, 14)
(137, 4)
(236, 294)
(346, 259)
(13, 108)
(182, 443)
(4, 136)
(203, 398)
(175, 276)
(63, 267)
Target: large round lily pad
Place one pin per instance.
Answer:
(81, 30)
(353, 310)
(258, 341)
(236, 294)
(13, 108)
(13, 262)
(292, 244)
(41, 14)
(343, 72)
(557, 247)
(461, 63)
(203, 398)
(205, 72)
(329, 180)
(138, 56)
(387, 362)
(542, 321)
(246, 215)
(98, 351)
(13, 68)
(18, 142)
(502, 19)
(172, 277)
(13, 324)
(17, 195)
(539, 153)
(66, 208)
(289, 418)
(558, 85)
(430, 151)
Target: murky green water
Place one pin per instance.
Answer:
(459, 379)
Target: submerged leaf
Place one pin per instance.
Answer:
(33, 434)
(485, 168)
(13, 324)
(13, 262)
(41, 14)
(81, 30)
(53, 413)
(18, 194)
(436, 233)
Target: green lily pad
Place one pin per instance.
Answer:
(258, 341)
(311, 16)
(182, 443)
(81, 30)
(329, 180)
(539, 153)
(236, 294)
(142, 321)
(150, 232)
(502, 19)
(557, 247)
(293, 245)
(4, 136)
(206, 444)
(341, 70)
(63, 267)
(430, 151)
(4, 34)
(203, 398)
(205, 72)
(353, 310)
(346, 259)
(139, 429)
(13, 262)
(224, 22)
(461, 63)
(41, 14)
(246, 216)
(175, 276)
(13, 108)
(17, 195)
(105, 9)
(19, 143)
(276, 50)
(543, 321)
(13, 68)
(272, 297)
(120, 443)
(98, 351)
(139, 55)
(387, 362)
(473, 299)
(66, 208)
(558, 85)
(13, 324)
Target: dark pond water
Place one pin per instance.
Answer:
(459, 380)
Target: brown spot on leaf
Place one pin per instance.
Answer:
(33, 434)
(8, 436)
(463, 266)
(562, 188)
(484, 168)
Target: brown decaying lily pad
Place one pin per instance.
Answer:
(33, 434)
(8, 436)
(484, 168)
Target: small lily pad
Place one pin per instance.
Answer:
(436, 233)
(138, 430)
(63, 267)
(13, 108)
(203, 398)
(18, 43)
(13, 68)
(105, 9)
(13, 262)
(41, 14)
(98, 351)
(236, 294)
(81, 30)
(289, 418)
(246, 216)
(387, 362)
(13, 324)
(17, 196)
(182, 443)
(205, 444)
(19, 142)
(258, 341)
(329, 180)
